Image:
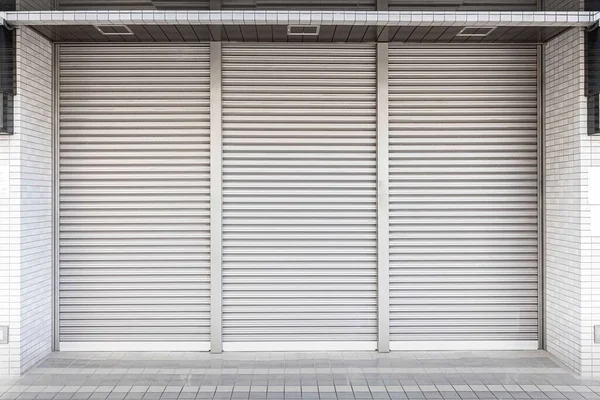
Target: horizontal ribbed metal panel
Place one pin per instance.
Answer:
(464, 5)
(463, 193)
(133, 4)
(394, 5)
(134, 193)
(348, 5)
(299, 193)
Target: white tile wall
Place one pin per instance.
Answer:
(26, 206)
(591, 247)
(564, 134)
(572, 241)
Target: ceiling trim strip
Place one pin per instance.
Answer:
(349, 18)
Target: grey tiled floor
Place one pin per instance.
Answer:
(368, 375)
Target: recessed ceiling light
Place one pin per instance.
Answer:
(112, 30)
(475, 31)
(303, 30)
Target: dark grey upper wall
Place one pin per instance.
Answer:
(34, 5)
(464, 5)
(299, 4)
(394, 5)
(445, 5)
(564, 5)
(132, 4)
(225, 4)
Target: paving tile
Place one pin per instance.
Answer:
(295, 376)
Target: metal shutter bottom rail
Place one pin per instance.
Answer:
(463, 197)
(134, 197)
(299, 196)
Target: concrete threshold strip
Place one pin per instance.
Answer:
(348, 18)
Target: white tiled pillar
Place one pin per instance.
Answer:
(591, 255)
(572, 210)
(26, 210)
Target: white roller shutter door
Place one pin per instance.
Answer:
(134, 197)
(463, 197)
(299, 196)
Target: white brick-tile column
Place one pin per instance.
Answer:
(565, 131)
(572, 209)
(26, 210)
(591, 254)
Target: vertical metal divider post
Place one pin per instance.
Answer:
(216, 201)
(541, 162)
(55, 197)
(383, 214)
